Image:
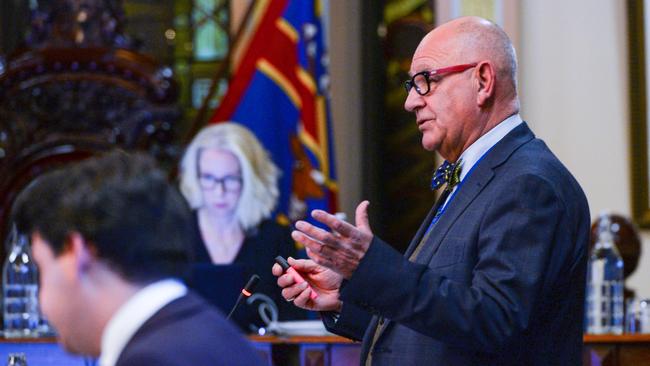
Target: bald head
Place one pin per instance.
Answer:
(474, 39)
(475, 90)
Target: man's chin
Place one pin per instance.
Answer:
(67, 346)
(72, 348)
(430, 145)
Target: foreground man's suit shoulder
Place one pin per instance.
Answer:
(500, 280)
(187, 331)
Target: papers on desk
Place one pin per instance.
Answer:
(298, 327)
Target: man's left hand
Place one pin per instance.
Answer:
(342, 249)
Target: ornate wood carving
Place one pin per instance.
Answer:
(77, 88)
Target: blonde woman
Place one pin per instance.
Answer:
(230, 183)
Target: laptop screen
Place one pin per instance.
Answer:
(220, 285)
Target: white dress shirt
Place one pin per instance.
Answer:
(133, 314)
(475, 151)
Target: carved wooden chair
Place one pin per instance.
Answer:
(76, 89)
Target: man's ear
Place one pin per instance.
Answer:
(79, 252)
(486, 77)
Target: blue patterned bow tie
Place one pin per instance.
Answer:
(446, 173)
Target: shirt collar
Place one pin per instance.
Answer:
(133, 314)
(476, 150)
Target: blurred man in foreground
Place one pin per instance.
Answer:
(109, 236)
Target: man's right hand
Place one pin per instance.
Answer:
(324, 281)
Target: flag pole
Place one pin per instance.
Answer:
(199, 119)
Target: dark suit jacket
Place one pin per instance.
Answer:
(187, 331)
(500, 280)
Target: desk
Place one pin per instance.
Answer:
(289, 351)
(616, 350)
(600, 350)
(328, 350)
(40, 352)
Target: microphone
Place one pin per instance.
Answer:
(247, 291)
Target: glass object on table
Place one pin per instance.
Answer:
(637, 318)
(20, 289)
(604, 295)
(17, 359)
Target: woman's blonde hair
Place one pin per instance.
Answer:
(260, 175)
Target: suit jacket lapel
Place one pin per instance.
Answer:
(422, 230)
(368, 337)
(481, 175)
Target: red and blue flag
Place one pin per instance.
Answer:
(279, 89)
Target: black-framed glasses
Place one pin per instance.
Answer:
(422, 80)
(229, 183)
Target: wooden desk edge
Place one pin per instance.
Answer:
(29, 340)
(330, 339)
(612, 338)
(587, 339)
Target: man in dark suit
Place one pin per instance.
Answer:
(110, 235)
(496, 273)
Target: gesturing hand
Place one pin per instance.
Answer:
(342, 249)
(324, 281)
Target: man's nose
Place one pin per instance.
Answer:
(413, 101)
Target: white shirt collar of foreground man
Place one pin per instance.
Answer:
(133, 314)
